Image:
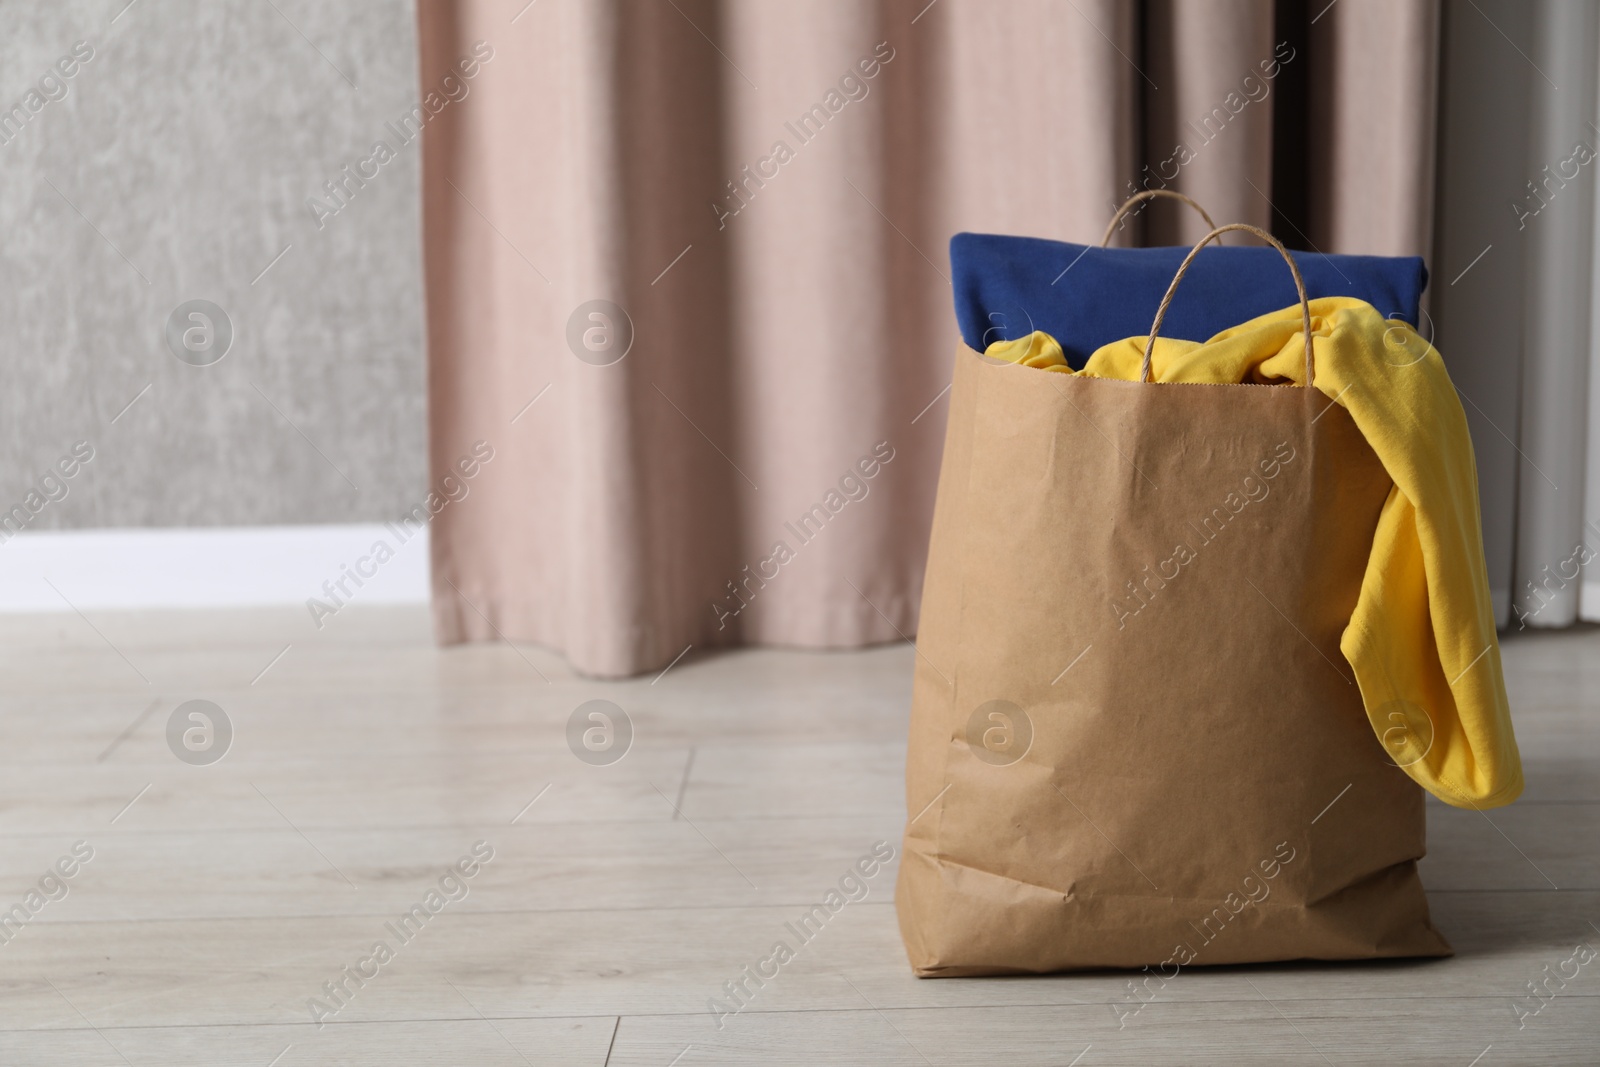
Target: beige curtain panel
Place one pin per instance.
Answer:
(688, 283)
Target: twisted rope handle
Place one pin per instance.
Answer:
(1299, 285)
(1150, 194)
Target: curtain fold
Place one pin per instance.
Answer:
(1373, 78)
(746, 451)
(1203, 53)
(1557, 293)
(1517, 267)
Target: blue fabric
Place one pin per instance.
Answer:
(1006, 287)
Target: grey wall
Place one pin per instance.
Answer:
(181, 159)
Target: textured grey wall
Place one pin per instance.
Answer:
(176, 166)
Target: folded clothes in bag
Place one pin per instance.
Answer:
(1087, 297)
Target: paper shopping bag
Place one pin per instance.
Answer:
(1134, 741)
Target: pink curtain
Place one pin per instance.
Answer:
(767, 192)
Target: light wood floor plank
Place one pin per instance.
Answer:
(1242, 1033)
(553, 866)
(470, 1040)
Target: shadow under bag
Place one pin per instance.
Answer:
(1134, 739)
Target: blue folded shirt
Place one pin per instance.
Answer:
(1085, 296)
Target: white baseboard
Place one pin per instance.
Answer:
(228, 566)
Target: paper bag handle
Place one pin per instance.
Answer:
(1299, 285)
(1150, 194)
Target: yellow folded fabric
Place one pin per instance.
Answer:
(1422, 636)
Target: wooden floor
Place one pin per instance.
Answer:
(220, 899)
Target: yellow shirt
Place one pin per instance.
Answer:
(1422, 637)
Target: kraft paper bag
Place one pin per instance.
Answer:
(1111, 769)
